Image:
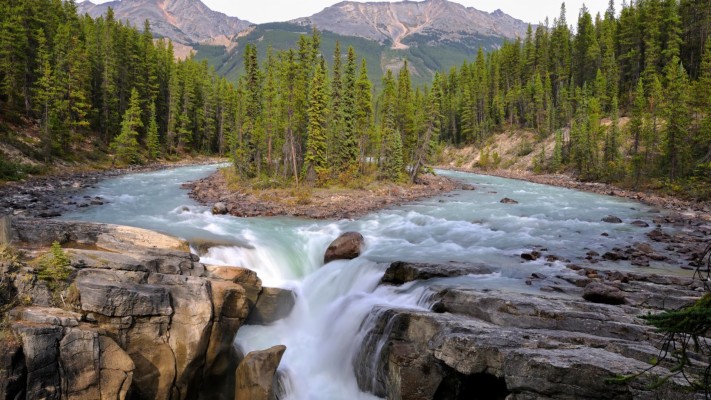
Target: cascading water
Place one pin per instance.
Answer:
(335, 301)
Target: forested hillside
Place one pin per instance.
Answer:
(651, 64)
(626, 97)
(97, 82)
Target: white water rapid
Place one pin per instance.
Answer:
(334, 301)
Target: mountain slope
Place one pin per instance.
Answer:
(433, 35)
(184, 21)
(397, 22)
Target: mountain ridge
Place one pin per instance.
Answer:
(396, 21)
(184, 21)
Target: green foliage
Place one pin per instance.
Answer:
(684, 341)
(54, 267)
(126, 143)
(12, 171)
(152, 139)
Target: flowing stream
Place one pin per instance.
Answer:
(334, 301)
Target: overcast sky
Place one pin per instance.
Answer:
(533, 11)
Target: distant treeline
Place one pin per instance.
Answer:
(298, 117)
(651, 63)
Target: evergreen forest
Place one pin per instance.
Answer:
(624, 97)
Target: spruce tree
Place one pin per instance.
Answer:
(152, 139)
(676, 145)
(364, 111)
(125, 145)
(348, 146)
(315, 159)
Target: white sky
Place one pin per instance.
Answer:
(533, 11)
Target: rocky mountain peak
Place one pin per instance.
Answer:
(399, 21)
(184, 21)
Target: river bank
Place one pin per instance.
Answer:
(52, 195)
(681, 229)
(686, 209)
(317, 203)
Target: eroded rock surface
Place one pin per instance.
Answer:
(518, 344)
(257, 373)
(151, 322)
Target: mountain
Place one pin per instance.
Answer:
(183, 21)
(404, 23)
(433, 35)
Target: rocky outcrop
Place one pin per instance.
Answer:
(401, 272)
(555, 344)
(151, 322)
(66, 358)
(13, 371)
(346, 247)
(256, 375)
(184, 21)
(272, 305)
(403, 21)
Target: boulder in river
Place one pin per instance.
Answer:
(256, 375)
(346, 247)
(507, 200)
(597, 292)
(219, 208)
(611, 219)
(640, 224)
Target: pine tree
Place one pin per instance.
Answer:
(126, 144)
(348, 146)
(676, 111)
(392, 165)
(364, 112)
(703, 94)
(152, 139)
(44, 93)
(315, 160)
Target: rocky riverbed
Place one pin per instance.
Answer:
(142, 318)
(690, 222)
(316, 203)
(54, 195)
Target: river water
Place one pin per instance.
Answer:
(324, 330)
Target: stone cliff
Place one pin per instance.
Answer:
(142, 318)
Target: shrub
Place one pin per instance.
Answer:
(54, 267)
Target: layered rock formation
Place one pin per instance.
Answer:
(515, 345)
(149, 320)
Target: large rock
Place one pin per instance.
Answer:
(67, 359)
(256, 375)
(40, 345)
(611, 219)
(513, 344)
(346, 247)
(272, 305)
(13, 372)
(153, 322)
(401, 272)
(219, 208)
(601, 293)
